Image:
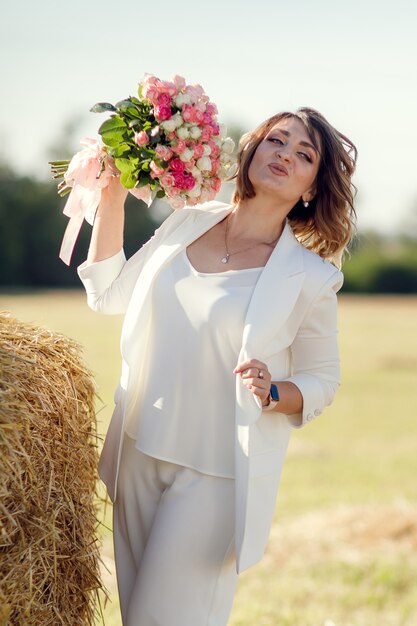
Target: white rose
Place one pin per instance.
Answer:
(222, 130)
(177, 119)
(196, 172)
(204, 163)
(169, 125)
(183, 132)
(201, 106)
(207, 149)
(225, 158)
(186, 155)
(232, 169)
(182, 98)
(195, 132)
(228, 145)
(222, 173)
(194, 192)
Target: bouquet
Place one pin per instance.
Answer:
(166, 143)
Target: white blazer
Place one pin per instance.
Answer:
(290, 325)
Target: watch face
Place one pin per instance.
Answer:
(274, 393)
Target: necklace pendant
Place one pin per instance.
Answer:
(226, 258)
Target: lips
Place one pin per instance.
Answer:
(279, 170)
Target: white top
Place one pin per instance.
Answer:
(186, 412)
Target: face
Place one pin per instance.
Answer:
(286, 163)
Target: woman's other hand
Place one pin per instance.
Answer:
(256, 377)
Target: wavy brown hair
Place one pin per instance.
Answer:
(327, 225)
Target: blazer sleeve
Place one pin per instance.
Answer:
(109, 283)
(315, 354)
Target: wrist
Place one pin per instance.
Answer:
(272, 399)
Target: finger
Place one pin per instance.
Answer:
(258, 391)
(252, 372)
(256, 382)
(250, 363)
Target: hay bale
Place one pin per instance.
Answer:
(49, 559)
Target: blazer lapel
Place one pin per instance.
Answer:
(275, 293)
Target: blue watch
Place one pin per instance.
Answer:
(272, 399)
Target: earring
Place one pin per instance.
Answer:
(306, 203)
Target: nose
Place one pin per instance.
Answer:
(283, 153)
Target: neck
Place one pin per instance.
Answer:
(262, 216)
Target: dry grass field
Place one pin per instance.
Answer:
(343, 548)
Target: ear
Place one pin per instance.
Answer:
(309, 194)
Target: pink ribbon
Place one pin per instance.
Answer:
(87, 179)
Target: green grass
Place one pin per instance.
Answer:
(342, 548)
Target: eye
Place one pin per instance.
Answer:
(306, 156)
(276, 140)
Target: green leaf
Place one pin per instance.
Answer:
(160, 194)
(114, 123)
(120, 150)
(101, 107)
(113, 131)
(127, 179)
(135, 122)
(124, 164)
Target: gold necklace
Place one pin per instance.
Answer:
(228, 254)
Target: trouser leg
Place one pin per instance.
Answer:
(184, 561)
(138, 494)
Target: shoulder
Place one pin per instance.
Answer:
(321, 275)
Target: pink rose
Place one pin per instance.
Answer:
(198, 150)
(215, 129)
(165, 86)
(207, 118)
(189, 182)
(162, 112)
(176, 165)
(187, 113)
(194, 91)
(167, 180)
(215, 150)
(174, 191)
(189, 164)
(163, 152)
(179, 146)
(164, 100)
(198, 116)
(206, 133)
(156, 169)
(211, 108)
(149, 88)
(178, 81)
(179, 178)
(141, 138)
(216, 184)
(215, 164)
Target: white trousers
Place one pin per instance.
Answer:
(174, 543)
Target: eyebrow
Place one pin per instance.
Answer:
(302, 143)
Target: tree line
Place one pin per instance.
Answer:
(32, 227)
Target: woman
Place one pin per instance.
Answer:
(229, 341)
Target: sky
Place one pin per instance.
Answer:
(356, 62)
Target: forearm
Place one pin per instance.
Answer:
(107, 233)
(290, 399)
